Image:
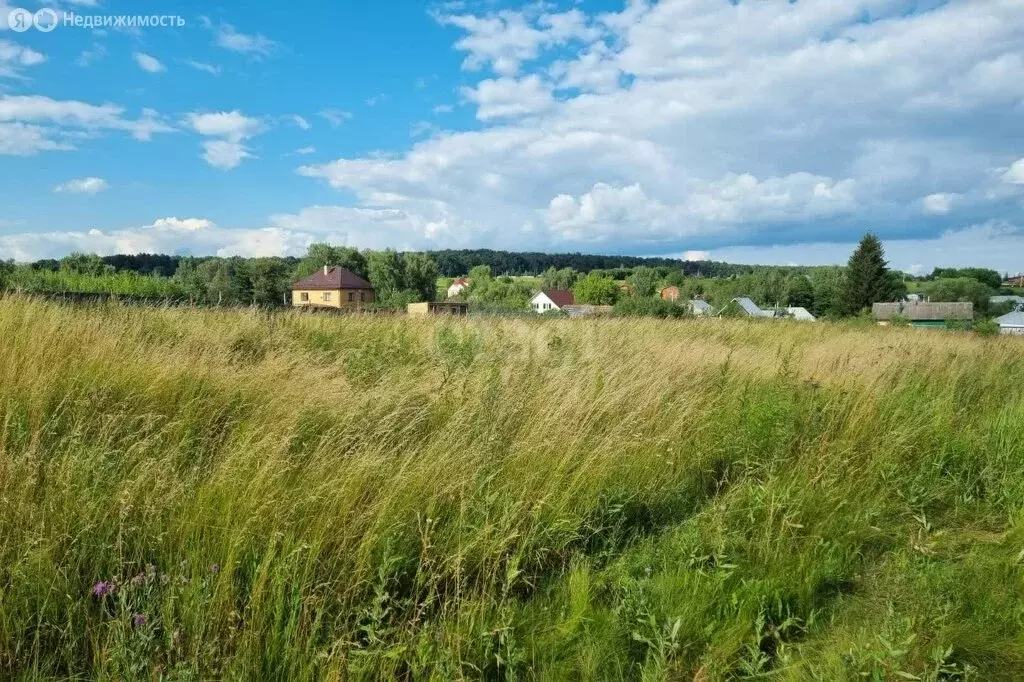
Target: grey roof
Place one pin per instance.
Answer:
(1014, 319)
(750, 308)
(700, 307)
(1007, 299)
(801, 314)
(923, 311)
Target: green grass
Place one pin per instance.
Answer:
(301, 497)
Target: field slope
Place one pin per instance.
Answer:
(203, 494)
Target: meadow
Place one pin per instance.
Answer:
(249, 495)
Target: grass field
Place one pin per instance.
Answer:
(202, 494)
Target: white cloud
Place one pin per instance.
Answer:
(301, 122)
(201, 66)
(443, 109)
(14, 57)
(148, 63)
(225, 154)
(306, 150)
(335, 116)
(507, 38)
(187, 236)
(509, 97)
(90, 185)
(233, 127)
(34, 123)
(1015, 174)
(697, 255)
(376, 99)
(938, 204)
(694, 124)
(228, 37)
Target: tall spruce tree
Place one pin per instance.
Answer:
(867, 278)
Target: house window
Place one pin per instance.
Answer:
(304, 297)
(327, 296)
(351, 296)
(362, 296)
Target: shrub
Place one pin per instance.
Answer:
(986, 328)
(649, 307)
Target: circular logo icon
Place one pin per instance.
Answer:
(20, 19)
(45, 20)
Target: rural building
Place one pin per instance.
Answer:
(552, 299)
(1012, 323)
(750, 309)
(670, 294)
(699, 307)
(458, 286)
(332, 288)
(913, 297)
(1017, 281)
(438, 308)
(923, 314)
(801, 314)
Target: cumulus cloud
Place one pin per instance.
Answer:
(148, 63)
(509, 97)
(688, 125)
(183, 236)
(90, 185)
(233, 127)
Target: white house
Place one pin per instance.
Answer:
(1012, 323)
(551, 299)
(458, 286)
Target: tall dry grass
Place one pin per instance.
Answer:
(205, 494)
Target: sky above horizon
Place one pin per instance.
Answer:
(749, 131)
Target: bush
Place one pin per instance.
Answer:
(987, 328)
(899, 321)
(648, 307)
(958, 325)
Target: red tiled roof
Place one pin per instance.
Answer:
(333, 278)
(461, 280)
(560, 297)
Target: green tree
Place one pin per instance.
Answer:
(596, 290)
(559, 279)
(319, 255)
(644, 281)
(85, 264)
(829, 283)
(6, 270)
(867, 277)
(420, 276)
(269, 280)
(960, 289)
(387, 273)
(800, 292)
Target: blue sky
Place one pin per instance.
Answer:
(766, 131)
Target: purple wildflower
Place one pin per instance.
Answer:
(139, 620)
(102, 589)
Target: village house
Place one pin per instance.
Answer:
(670, 294)
(801, 314)
(458, 286)
(1017, 301)
(1017, 281)
(552, 299)
(923, 314)
(332, 287)
(1012, 323)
